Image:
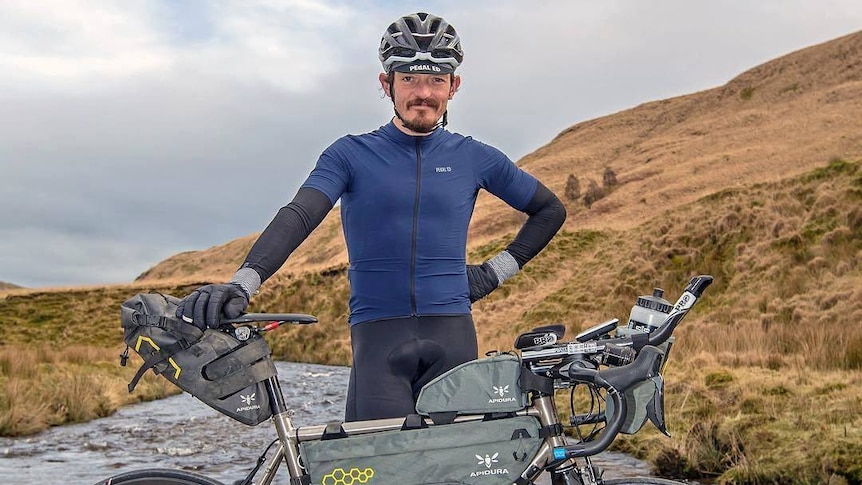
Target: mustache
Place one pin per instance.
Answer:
(423, 102)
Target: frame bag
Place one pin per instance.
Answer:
(212, 365)
(476, 452)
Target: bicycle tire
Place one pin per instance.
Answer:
(159, 476)
(641, 481)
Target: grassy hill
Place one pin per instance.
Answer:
(780, 119)
(757, 182)
(7, 286)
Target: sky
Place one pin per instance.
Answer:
(134, 130)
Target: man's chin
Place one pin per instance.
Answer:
(424, 125)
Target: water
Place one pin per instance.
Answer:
(181, 432)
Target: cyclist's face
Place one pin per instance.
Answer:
(421, 99)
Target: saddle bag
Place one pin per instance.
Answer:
(476, 452)
(213, 366)
(481, 386)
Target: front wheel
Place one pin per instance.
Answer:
(157, 476)
(640, 481)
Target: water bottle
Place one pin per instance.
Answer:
(649, 312)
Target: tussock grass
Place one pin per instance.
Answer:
(755, 425)
(44, 386)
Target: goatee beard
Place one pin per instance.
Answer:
(420, 126)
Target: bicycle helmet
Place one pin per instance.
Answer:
(422, 43)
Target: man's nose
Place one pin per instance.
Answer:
(423, 90)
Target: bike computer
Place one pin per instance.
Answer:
(596, 331)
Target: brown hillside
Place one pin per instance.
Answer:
(777, 120)
(7, 286)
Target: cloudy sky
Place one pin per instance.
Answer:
(133, 130)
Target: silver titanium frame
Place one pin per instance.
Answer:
(542, 405)
(289, 437)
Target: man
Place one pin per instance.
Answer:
(407, 193)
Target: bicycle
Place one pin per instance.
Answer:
(609, 367)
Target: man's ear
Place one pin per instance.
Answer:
(384, 83)
(456, 83)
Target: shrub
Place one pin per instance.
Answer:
(573, 188)
(594, 193)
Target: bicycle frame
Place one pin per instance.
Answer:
(543, 407)
(553, 452)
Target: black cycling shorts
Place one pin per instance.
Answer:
(394, 358)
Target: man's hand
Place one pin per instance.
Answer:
(482, 280)
(486, 277)
(206, 306)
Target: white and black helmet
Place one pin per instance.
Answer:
(421, 43)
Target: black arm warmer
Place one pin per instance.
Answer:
(547, 215)
(293, 223)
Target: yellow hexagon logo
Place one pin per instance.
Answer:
(354, 476)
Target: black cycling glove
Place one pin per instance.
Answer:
(206, 306)
(482, 280)
(486, 277)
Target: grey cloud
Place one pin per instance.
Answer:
(105, 176)
(147, 173)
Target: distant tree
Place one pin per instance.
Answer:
(573, 188)
(609, 179)
(594, 193)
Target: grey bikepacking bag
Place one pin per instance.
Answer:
(211, 365)
(477, 452)
(481, 386)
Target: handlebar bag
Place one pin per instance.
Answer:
(476, 452)
(486, 385)
(211, 365)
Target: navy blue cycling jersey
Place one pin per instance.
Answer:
(406, 203)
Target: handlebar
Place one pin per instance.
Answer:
(275, 320)
(614, 348)
(689, 297)
(615, 380)
(299, 318)
(577, 362)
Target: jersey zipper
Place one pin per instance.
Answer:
(415, 230)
